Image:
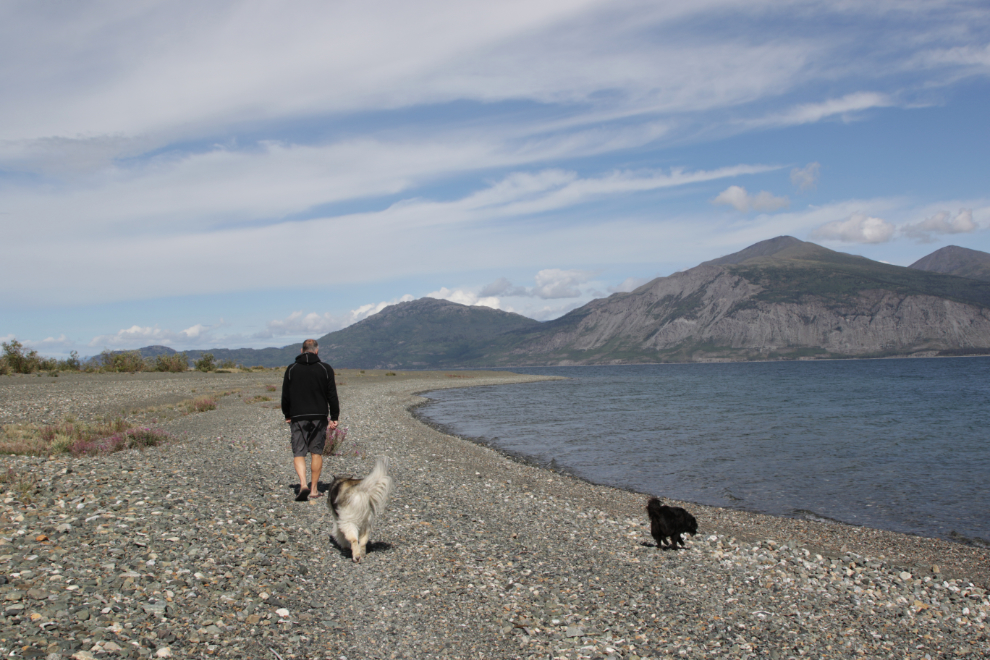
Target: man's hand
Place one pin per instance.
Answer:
(288, 420)
(332, 425)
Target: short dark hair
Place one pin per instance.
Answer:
(310, 345)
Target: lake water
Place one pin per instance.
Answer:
(902, 445)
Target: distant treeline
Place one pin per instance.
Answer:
(17, 360)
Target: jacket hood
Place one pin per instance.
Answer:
(307, 358)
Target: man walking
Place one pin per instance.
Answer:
(309, 397)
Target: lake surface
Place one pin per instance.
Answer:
(902, 445)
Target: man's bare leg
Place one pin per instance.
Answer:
(317, 467)
(300, 464)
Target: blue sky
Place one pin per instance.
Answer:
(250, 173)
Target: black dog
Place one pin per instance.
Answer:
(669, 522)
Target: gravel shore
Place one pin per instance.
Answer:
(196, 549)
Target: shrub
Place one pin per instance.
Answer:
(70, 363)
(19, 362)
(270, 388)
(136, 438)
(122, 361)
(206, 363)
(201, 404)
(177, 362)
(228, 364)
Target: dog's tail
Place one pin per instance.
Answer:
(377, 486)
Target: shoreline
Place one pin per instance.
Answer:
(476, 556)
(914, 552)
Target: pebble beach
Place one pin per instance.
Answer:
(196, 549)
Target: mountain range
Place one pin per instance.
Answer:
(778, 299)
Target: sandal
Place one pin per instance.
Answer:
(303, 495)
(317, 495)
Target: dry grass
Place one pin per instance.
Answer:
(270, 388)
(258, 399)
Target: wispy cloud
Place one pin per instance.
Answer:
(847, 107)
(389, 231)
(806, 178)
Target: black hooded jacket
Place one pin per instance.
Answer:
(309, 390)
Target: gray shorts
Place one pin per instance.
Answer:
(308, 436)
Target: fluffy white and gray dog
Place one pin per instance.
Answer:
(355, 503)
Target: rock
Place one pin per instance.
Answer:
(163, 652)
(573, 631)
(154, 608)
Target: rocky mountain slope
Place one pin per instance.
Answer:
(955, 260)
(781, 298)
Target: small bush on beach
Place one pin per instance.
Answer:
(201, 404)
(77, 438)
(205, 363)
(177, 362)
(270, 388)
(136, 438)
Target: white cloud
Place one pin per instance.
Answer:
(806, 178)
(465, 297)
(627, 285)
(941, 223)
(502, 287)
(298, 323)
(976, 56)
(138, 336)
(557, 283)
(847, 107)
(50, 342)
(742, 201)
(857, 228)
(364, 311)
